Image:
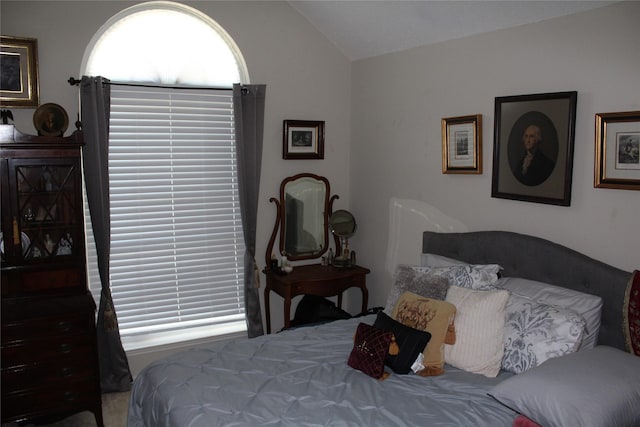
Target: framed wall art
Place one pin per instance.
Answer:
(18, 72)
(462, 144)
(303, 139)
(533, 147)
(617, 162)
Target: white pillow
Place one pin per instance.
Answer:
(478, 277)
(586, 305)
(434, 260)
(598, 387)
(535, 332)
(479, 327)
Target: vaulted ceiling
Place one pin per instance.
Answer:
(363, 28)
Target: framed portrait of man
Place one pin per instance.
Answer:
(533, 147)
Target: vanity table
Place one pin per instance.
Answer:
(314, 279)
(302, 226)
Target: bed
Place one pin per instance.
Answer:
(301, 377)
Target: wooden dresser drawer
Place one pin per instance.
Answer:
(54, 373)
(52, 279)
(26, 352)
(37, 402)
(35, 328)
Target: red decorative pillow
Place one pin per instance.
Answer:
(370, 348)
(631, 312)
(522, 421)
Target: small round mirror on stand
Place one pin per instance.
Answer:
(343, 225)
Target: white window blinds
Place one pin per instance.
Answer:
(177, 247)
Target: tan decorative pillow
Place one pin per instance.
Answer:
(431, 315)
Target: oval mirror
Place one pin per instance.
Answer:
(305, 202)
(342, 224)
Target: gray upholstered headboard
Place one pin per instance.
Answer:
(539, 259)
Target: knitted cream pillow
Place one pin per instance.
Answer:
(479, 343)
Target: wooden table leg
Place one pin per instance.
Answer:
(365, 298)
(267, 309)
(287, 311)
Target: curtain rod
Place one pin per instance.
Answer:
(75, 82)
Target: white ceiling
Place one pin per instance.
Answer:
(364, 28)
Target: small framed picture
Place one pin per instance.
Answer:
(617, 162)
(462, 144)
(303, 139)
(533, 147)
(18, 72)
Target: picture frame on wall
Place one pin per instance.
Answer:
(303, 139)
(533, 147)
(462, 145)
(18, 72)
(617, 159)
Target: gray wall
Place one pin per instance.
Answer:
(398, 101)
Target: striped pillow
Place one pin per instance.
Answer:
(480, 319)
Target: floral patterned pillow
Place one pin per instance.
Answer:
(476, 277)
(535, 332)
(409, 279)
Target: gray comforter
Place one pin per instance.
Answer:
(301, 378)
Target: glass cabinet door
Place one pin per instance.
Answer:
(47, 213)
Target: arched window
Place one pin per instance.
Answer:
(176, 261)
(166, 43)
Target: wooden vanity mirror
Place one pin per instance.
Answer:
(302, 218)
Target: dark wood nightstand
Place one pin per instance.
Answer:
(314, 279)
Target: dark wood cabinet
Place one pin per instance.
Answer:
(49, 355)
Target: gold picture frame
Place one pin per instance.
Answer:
(617, 157)
(19, 72)
(303, 139)
(462, 144)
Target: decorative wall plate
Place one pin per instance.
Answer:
(24, 240)
(50, 120)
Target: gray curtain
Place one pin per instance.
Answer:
(115, 374)
(248, 107)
